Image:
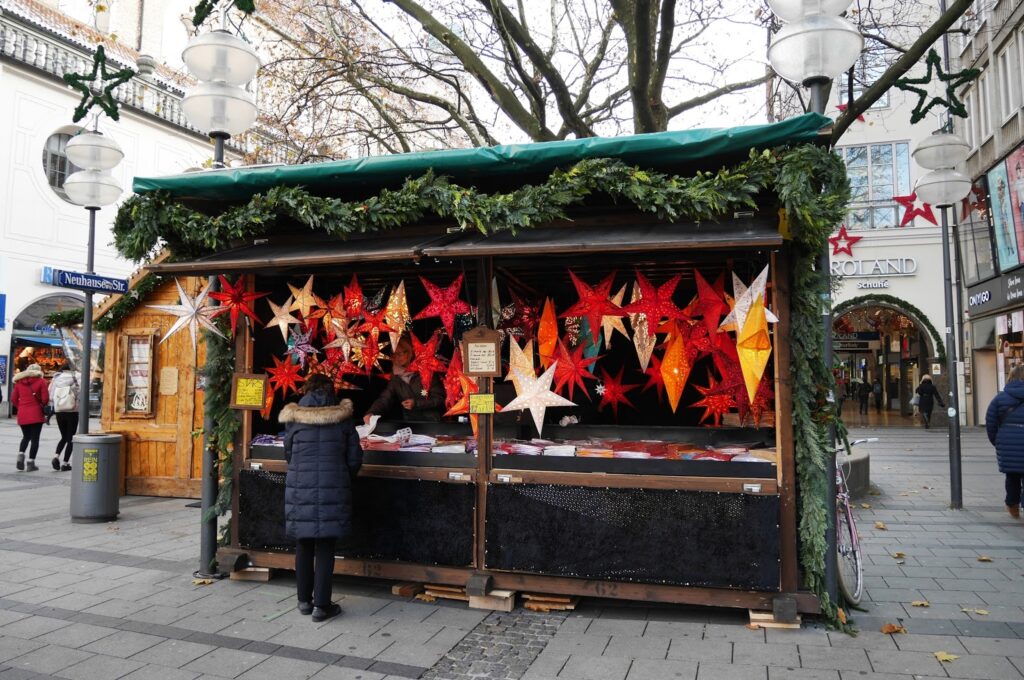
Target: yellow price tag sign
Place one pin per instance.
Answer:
(248, 391)
(481, 403)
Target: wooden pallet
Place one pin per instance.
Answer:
(434, 592)
(251, 574)
(539, 602)
(763, 619)
(406, 589)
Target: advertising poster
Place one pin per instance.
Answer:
(1015, 177)
(1002, 217)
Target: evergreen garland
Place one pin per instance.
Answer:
(217, 373)
(899, 303)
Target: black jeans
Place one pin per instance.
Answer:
(314, 569)
(30, 435)
(1014, 481)
(67, 423)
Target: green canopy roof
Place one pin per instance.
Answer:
(656, 150)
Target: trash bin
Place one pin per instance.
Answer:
(95, 478)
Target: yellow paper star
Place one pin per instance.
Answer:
(397, 313)
(610, 324)
(743, 299)
(304, 298)
(754, 347)
(282, 317)
(519, 358)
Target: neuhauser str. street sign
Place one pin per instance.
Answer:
(90, 282)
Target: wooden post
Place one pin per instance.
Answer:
(786, 470)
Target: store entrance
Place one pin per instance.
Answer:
(881, 354)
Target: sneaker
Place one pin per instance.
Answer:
(30, 466)
(65, 468)
(324, 613)
(1014, 511)
(55, 463)
(21, 462)
(305, 608)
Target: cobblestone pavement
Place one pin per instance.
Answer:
(98, 601)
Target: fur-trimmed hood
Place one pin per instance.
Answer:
(32, 371)
(316, 415)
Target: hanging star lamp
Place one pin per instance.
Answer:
(396, 311)
(591, 347)
(284, 375)
(375, 324)
(192, 313)
(452, 377)
(520, 358)
(354, 302)
(333, 310)
(711, 304)
(613, 392)
(523, 319)
(547, 334)
(444, 303)
(611, 324)
(368, 355)
(655, 301)
(594, 303)
(425, 360)
(675, 370)
(346, 338)
(573, 368)
(714, 402)
(654, 378)
(304, 299)
(235, 300)
(644, 340)
(300, 347)
(754, 347)
(536, 395)
(743, 299)
(283, 317)
(467, 386)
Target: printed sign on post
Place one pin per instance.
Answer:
(249, 391)
(481, 403)
(90, 465)
(481, 353)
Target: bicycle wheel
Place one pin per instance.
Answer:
(850, 561)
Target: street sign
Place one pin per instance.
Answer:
(92, 282)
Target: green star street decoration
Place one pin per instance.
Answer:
(952, 81)
(205, 7)
(97, 87)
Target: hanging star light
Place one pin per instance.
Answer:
(591, 347)
(754, 347)
(452, 375)
(911, 209)
(573, 368)
(425, 360)
(97, 86)
(643, 340)
(444, 303)
(843, 242)
(346, 338)
(614, 392)
(333, 310)
(612, 323)
(547, 334)
(234, 300)
(334, 368)
(535, 395)
(191, 312)
(711, 304)
(375, 303)
(268, 405)
(762, 401)
(317, 313)
(284, 376)
(304, 299)
(460, 405)
(743, 298)
(282, 317)
(951, 82)
(397, 313)
(655, 302)
(655, 378)
(375, 324)
(354, 302)
(524, 317)
(715, 404)
(675, 370)
(300, 346)
(521, 358)
(368, 356)
(594, 303)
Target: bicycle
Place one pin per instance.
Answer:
(849, 559)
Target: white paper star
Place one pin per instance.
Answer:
(304, 298)
(610, 324)
(536, 395)
(192, 313)
(643, 339)
(282, 317)
(521, 358)
(743, 298)
(345, 337)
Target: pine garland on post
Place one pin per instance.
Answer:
(217, 374)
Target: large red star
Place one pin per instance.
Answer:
(655, 378)
(425, 360)
(593, 304)
(375, 324)
(613, 392)
(845, 239)
(444, 303)
(715, 403)
(711, 303)
(333, 310)
(912, 211)
(234, 300)
(655, 302)
(353, 299)
(975, 201)
(572, 368)
(452, 379)
(284, 375)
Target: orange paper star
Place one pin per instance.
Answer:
(675, 370)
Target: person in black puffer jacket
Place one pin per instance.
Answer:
(323, 453)
(1004, 423)
(927, 396)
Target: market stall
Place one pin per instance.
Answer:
(606, 332)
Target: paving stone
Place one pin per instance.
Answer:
(630, 647)
(33, 626)
(13, 647)
(48, 659)
(357, 645)
(580, 667)
(160, 673)
(834, 658)
(612, 626)
(904, 662)
(754, 653)
(276, 668)
(669, 669)
(339, 673)
(929, 643)
(994, 646)
(412, 654)
(79, 634)
(864, 639)
(717, 671)
(793, 673)
(99, 666)
(993, 629)
(982, 667)
(580, 644)
(674, 629)
(123, 644)
(700, 650)
(173, 653)
(226, 662)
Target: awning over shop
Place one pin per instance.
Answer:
(467, 166)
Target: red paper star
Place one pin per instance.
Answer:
(843, 107)
(614, 392)
(572, 368)
(912, 211)
(375, 324)
(452, 386)
(975, 201)
(368, 355)
(524, 319)
(654, 378)
(284, 376)
(655, 302)
(353, 296)
(845, 239)
(425, 360)
(762, 400)
(711, 304)
(333, 311)
(444, 303)
(594, 303)
(234, 300)
(715, 403)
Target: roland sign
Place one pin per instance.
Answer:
(878, 268)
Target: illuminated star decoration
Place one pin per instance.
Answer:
(614, 392)
(191, 312)
(354, 303)
(467, 386)
(284, 376)
(951, 81)
(536, 395)
(910, 203)
(444, 303)
(573, 367)
(710, 301)
(654, 378)
(397, 313)
(975, 200)
(333, 310)
(282, 317)
(375, 324)
(368, 356)
(345, 337)
(754, 347)
(547, 333)
(655, 302)
(594, 303)
(715, 402)
(425, 360)
(304, 299)
(843, 242)
(452, 384)
(299, 346)
(675, 370)
(643, 340)
(519, 358)
(234, 300)
(612, 323)
(743, 299)
(523, 320)
(97, 86)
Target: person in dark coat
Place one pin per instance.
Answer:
(30, 397)
(405, 389)
(863, 392)
(1004, 424)
(927, 396)
(323, 453)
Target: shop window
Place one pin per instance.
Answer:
(56, 164)
(135, 393)
(877, 172)
(1008, 75)
(977, 258)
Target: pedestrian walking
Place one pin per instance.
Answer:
(323, 453)
(64, 390)
(1004, 424)
(927, 396)
(29, 397)
(863, 392)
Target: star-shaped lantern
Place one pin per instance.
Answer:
(452, 378)
(744, 298)
(346, 338)
(536, 395)
(715, 402)
(368, 356)
(523, 319)
(444, 303)
(235, 300)
(613, 392)
(655, 302)
(573, 367)
(396, 311)
(594, 303)
(284, 376)
(97, 86)
(300, 346)
(191, 312)
(711, 304)
(375, 324)
(333, 310)
(675, 370)
(643, 339)
(843, 242)
(355, 304)
(547, 333)
(612, 323)
(910, 203)
(519, 358)
(950, 81)
(282, 317)
(304, 299)
(425, 360)
(654, 377)
(754, 347)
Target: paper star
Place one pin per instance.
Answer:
(452, 376)
(282, 317)
(467, 387)
(975, 201)
(397, 313)
(547, 333)
(655, 302)
(425, 360)
(234, 300)
(524, 317)
(594, 303)
(520, 358)
(591, 346)
(573, 367)
(744, 298)
(614, 392)
(536, 395)
(842, 108)
(655, 378)
(843, 242)
(444, 303)
(345, 337)
(711, 304)
(951, 81)
(304, 298)
(715, 403)
(354, 302)
(611, 324)
(97, 86)
(333, 310)
(284, 376)
(643, 340)
(912, 210)
(675, 370)
(299, 346)
(191, 313)
(754, 347)
(334, 368)
(368, 356)
(375, 324)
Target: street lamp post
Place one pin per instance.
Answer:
(92, 187)
(812, 47)
(942, 187)
(219, 106)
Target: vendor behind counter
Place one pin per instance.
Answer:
(404, 397)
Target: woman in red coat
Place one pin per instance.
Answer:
(30, 397)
